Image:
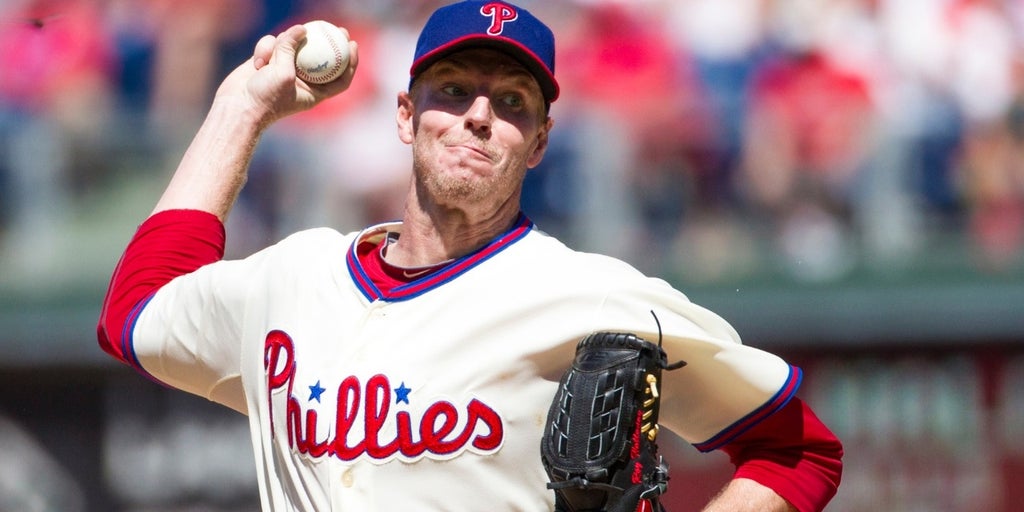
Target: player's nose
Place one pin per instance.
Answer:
(480, 114)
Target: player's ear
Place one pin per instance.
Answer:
(405, 117)
(542, 144)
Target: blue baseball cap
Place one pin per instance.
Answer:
(489, 23)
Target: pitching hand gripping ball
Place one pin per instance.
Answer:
(324, 54)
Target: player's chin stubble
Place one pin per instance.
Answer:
(451, 181)
(450, 178)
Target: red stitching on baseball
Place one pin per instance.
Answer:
(329, 76)
(337, 54)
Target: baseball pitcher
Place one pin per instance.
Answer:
(459, 359)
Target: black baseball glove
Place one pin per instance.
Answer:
(599, 445)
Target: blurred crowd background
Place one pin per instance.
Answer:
(709, 140)
(842, 179)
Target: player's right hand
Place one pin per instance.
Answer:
(266, 86)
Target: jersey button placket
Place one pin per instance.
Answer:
(348, 479)
(345, 490)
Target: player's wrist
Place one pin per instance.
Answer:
(240, 114)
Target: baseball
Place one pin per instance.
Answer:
(323, 56)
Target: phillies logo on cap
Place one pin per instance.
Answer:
(500, 14)
(491, 24)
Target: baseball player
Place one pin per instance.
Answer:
(411, 365)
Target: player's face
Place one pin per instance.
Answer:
(476, 122)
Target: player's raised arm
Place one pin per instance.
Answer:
(260, 91)
(185, 230)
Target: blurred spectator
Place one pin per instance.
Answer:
(619, 66)
(988, 82)
(722, 44)
(58, 59)
(981, 57)
(727, 42)
(952, 62)
(178, 50)
(56, 98)
(806, 142)
(620, 59)
(190, 39)
(993, 182)
(135, 30)
(921, 111)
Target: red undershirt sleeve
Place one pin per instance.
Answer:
(168, 244)
(793, 453)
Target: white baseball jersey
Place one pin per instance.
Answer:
(432, 395)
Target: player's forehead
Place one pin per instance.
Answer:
(484, 61)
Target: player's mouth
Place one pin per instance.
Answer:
(473, 150)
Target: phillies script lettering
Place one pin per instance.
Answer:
(434, 434)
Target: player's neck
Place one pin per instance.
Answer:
(429, 238)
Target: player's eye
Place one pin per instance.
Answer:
(513, 100)
(454, 90)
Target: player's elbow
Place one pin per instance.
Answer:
(109, 334)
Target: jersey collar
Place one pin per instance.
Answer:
(374, 234)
